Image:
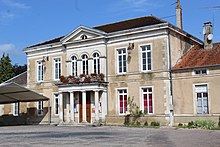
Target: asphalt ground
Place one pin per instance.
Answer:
(110, 136)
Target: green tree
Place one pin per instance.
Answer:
(18, 69)
(6, 68)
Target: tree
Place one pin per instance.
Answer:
(6, 68)
(18, 69)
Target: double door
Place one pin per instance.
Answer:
(88, 107)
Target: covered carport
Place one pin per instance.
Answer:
(14, 93)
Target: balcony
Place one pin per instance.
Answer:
(82, 79)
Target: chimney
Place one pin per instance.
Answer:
(208, 36)
(179, 22)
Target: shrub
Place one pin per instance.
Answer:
(190, 124)
(155, 123)
(145, 123)
(180, 125)
(205, 124)
(138, 123)
(219, 122)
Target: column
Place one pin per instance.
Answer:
(61, 107)
(97, 106)
(84, 105)
(72, 114)
(68, 108)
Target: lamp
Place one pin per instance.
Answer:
(130, 47)
(44, 61)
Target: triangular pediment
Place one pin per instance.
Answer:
(82, 33)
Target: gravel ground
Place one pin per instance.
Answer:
(106, 136)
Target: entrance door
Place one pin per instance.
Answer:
(88, 107)
(80, 107)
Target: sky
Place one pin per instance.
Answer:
(27, 22)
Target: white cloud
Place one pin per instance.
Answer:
(15, 4)
(8, 48)
(6, 15)
(135, 5)
(11, 10)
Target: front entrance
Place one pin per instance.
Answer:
(88, 107)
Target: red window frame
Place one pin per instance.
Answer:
(123, 98)
(147, 100)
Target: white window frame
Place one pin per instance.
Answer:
(141, 57)
(142, 98)
(74, 66)
(40, 108)
(122, 54)
(15, 107)
(40, 71)
(96, 67)
(57, 77)
(195, 99)
(86, 61)
(54, 104)
(118, 100)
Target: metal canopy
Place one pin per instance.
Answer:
(12, 93)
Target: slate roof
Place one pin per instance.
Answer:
(20, 79)
(130, 24)
(197, 56)
(55, 40)
(114, 27)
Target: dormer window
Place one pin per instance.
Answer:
(83, 37)
(200, 72)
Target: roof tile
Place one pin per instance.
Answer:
(197, 56)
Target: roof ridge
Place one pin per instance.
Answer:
(129, 20)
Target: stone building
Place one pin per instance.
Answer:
(90, 73)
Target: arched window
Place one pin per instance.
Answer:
(85, 66)
(96, 63)
(74, 66)
(83, 37)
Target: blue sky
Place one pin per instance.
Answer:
(27, 22)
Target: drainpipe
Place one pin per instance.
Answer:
(106, 41)
(171, 121)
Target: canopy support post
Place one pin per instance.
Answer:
(49, 112)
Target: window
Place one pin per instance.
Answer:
(200, 72)
(40, 108)
(122, 96)
(202, 99)
(56, 104)
(96, 63)
(75, 107)
(16, 107)
(85, 64)
(122, 63)
(83, 37)
(57, 68)
(146, 57)
(147, 100)
(74, 66)
(40, 71)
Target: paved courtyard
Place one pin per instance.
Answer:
(106, 136)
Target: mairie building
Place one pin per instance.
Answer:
(90, 74)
